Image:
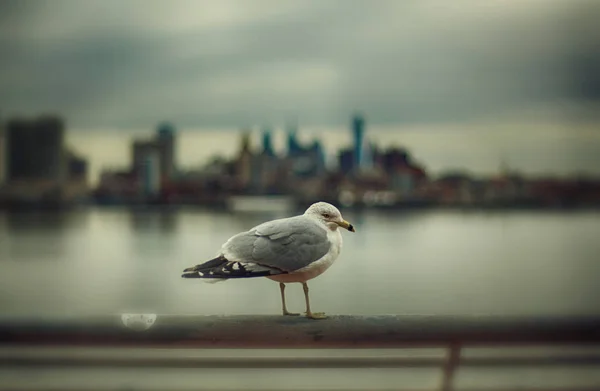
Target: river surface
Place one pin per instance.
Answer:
(101, 261)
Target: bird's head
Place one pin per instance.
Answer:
(329, 215)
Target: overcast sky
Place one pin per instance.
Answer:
(225, 63)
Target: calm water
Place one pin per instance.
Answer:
(436, 262)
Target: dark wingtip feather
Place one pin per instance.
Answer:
(215, 262)
(221, 268)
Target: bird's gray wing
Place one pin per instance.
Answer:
(286, 244)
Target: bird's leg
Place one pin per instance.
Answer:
(309, 314)
(285, 311)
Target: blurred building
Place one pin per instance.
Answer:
(140, 149)
(263, 171)
(395, 157)
(305, 161)
(152, 173)
(117, 186)
(267, 168)
(146, 166)
(404, 174)
(77, 168)
(2, 154)
(267, 141)
(40, 170)
(361, 158)
(166, 147)
(358, 133)
(153, 160)
(35, 149)
(243, 164)
(346, 161)
(293, 147)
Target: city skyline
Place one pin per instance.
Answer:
(525, 148)
(474, 149)
(45, 170)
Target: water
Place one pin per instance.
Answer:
(102, 261)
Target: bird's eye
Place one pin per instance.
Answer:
(326, 215)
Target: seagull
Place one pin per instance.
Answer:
(290, 250)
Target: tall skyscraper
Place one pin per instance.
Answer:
(358, 132)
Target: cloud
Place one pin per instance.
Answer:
(231, 63)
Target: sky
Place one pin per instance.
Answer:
(235, 63)
(227, 64)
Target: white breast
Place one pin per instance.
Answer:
(316, 268)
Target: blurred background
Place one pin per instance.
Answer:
(462, 139)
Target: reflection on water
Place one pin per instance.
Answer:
(434, 262)
(161, 221)
(40, 234)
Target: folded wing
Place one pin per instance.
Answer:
(276, 247)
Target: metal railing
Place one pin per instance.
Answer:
(19, 341)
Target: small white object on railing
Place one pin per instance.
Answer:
(138, 322)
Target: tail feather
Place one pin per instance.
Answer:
(222, 269)
(206, 266)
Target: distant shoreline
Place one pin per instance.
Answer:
(218, 206)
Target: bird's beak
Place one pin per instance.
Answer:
(346, 225)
